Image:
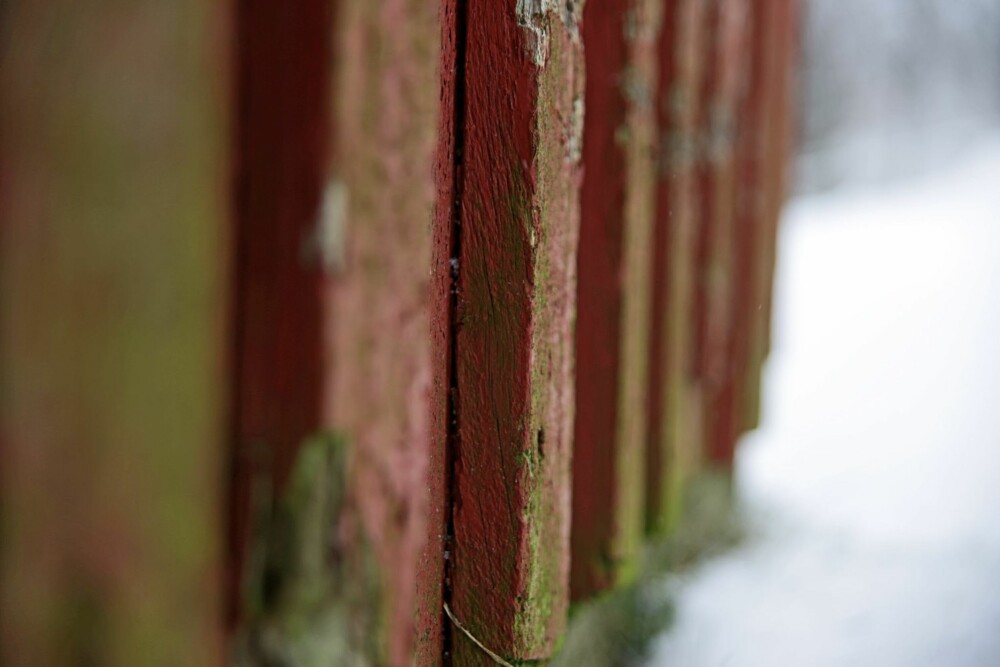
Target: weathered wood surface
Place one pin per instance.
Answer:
(113, 247)
(407, 181)
(388, 300)
(613, 291)
(674, 425)
(516, 263)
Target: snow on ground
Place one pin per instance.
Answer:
(873, 487)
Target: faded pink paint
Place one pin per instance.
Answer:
(385, 339)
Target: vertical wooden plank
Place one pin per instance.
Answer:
(389, 297)
(766, 42)
(114, 131)
(779, 20)
(617, 199)
(749, 223)
(713, 245)
(281, 138)
(781, 139)
(673, 427)
(523, 106)
(725, 389)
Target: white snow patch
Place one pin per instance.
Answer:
(874, 481)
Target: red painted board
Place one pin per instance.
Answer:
(781, 22)
(518, 223)
(281, 130)
(672, 428)
(613, 303)
(713, 245)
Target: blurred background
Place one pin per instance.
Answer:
(869, 493)
(890, 89)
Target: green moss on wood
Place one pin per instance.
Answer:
(313, 599)
(619, 627)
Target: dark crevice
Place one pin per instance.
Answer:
(453, 440)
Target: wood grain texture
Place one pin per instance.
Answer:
(523, 98)
(113, 266)
(613, 300)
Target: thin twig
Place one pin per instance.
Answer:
(497, 659)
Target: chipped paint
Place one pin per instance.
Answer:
(532, 17)
(332, 225)
(574, 140)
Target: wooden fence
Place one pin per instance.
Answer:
(353, 332)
